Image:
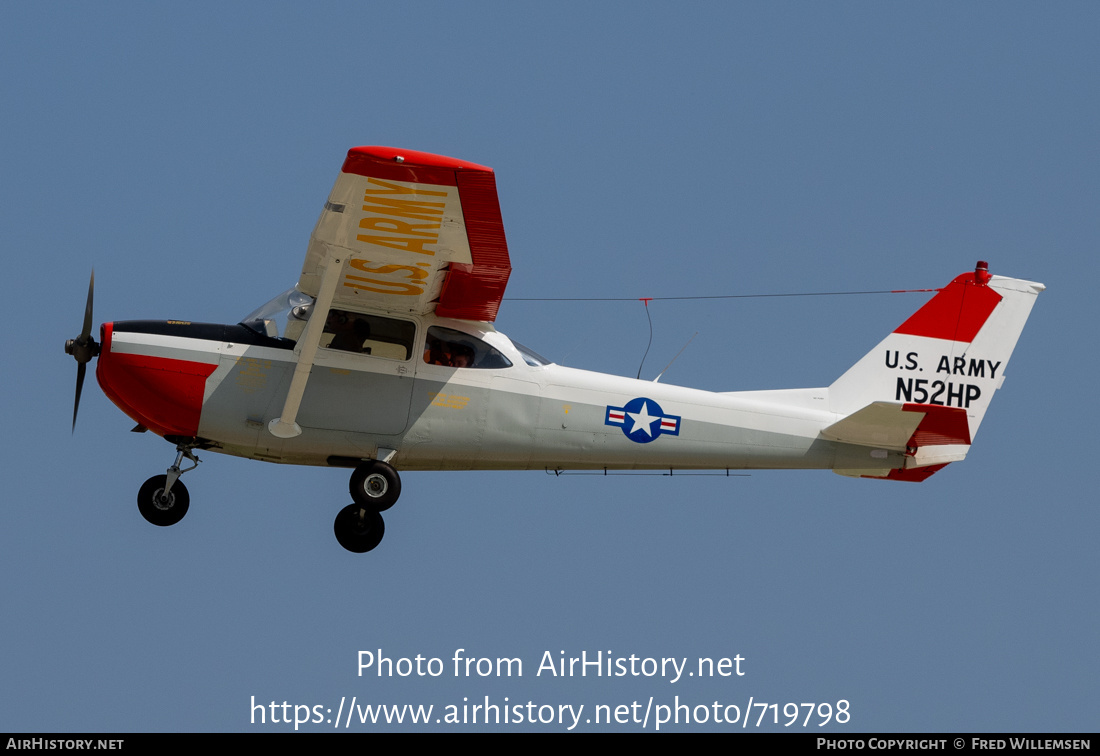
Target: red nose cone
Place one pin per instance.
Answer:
(162, 393)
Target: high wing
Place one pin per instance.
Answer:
(402, 231)
(413, 232)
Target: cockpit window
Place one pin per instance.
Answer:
(451, 348)
(347, 331)
(368, 334)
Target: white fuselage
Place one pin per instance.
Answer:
(518, 417)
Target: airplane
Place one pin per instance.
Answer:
(383, 357)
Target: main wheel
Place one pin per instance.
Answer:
(375, 485)
(160, 509)
(356, 533)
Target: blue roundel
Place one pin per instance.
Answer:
(642, 420)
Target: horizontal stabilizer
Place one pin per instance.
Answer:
(897, 427)
(912, 475)
(879, 424)
(907, 474)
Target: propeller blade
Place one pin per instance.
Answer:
(80, 370)
(83, 348)
(84, 334)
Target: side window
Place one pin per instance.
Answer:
(369, 334)
(451, 348)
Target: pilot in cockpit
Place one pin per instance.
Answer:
(446, 353)
(349, 331)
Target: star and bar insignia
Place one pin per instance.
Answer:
(642, 420)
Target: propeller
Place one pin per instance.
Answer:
(83, 348)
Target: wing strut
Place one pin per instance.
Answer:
(284, 425)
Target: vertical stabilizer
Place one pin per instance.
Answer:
(949, 357)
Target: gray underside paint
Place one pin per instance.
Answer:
(515, 418)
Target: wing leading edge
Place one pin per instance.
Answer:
(414, 232)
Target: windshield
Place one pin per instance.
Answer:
(530, 356)
(284, 315)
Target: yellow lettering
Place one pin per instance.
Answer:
(389, 188)
(252, 376)
(398, 227)
(401, 287)
(451, 401)
(416, 274)
(394, 242)
(429, 211)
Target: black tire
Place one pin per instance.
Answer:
(162, 513)
(375, 485)
(358, 534)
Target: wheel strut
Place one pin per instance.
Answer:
(174, 472)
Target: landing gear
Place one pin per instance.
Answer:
(358, 529)
(163, 500)
(375, 485)
(161, 508)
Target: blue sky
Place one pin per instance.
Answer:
(641, 149)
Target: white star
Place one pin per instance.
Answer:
(643, 420)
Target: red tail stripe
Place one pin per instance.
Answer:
(956, 313)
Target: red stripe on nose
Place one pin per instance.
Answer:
(161, 393)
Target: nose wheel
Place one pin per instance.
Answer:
(163, 500)
(375, 487)
(160, 505)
